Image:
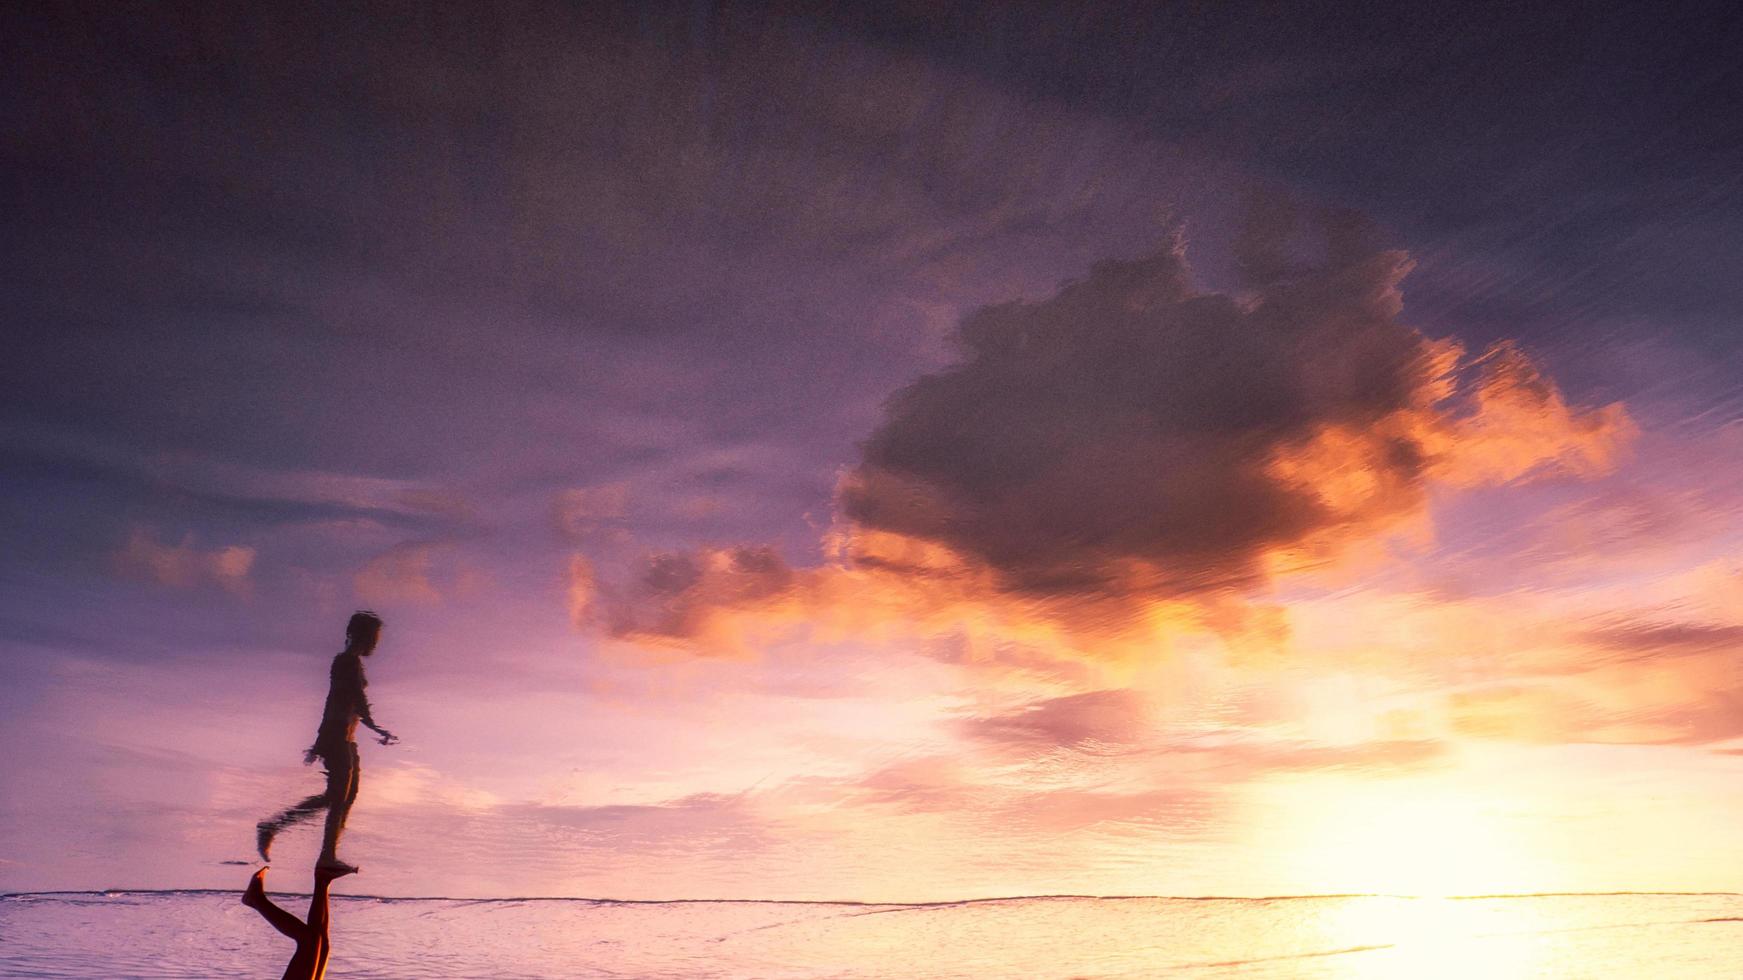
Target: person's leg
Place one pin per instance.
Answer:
(356, 778)
(318, 922)
(310, 959)
(325, 949)
(269, 828)
(255, 898)
(309, 962)
(318, 901)
(318, 916)
(341, 792)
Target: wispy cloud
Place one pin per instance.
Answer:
(418, 572)
(184, 564)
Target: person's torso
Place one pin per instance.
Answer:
(344, 694)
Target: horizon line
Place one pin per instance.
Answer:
(944, 903)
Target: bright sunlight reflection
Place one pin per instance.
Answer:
(1435, 937)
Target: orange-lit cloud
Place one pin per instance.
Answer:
(418, 572)
(680, 597)
(184, 565)
(1133, 458)
(581, 588)
(1518, 425)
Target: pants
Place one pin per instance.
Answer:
(341, 763)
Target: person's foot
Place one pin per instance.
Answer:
(263, 840)
(254, 896)
(330, 868)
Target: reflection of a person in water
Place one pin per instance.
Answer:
(336, 746)
(310, 960)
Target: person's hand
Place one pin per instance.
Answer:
(387, 737)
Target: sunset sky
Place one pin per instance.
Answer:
(877, 453)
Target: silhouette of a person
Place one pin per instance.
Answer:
(336, 746)
(310, 960)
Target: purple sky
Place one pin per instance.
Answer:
(697, 393)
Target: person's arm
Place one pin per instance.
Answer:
(360, 700)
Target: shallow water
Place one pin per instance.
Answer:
(208, 934)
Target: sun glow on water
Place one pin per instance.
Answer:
(1436, 938)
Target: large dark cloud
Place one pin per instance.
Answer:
(1136, 440)
(1135, 433)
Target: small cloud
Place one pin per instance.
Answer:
(1519, 426)
(1121, 722)
(1077, 721)
(345, 492)
(1382, 756)
(401, 574)
(677, 596)
(707, 820)
(1645, 641)
(942, 785)
(582, 511)
(581, 585)
(1622, 525)
(184, 565)
(927, 784)
(1667, 686)
(420, 572)
(439, 502)
(415, 786)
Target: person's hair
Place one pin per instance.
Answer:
(364, 623)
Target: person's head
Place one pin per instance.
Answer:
(362, 632)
